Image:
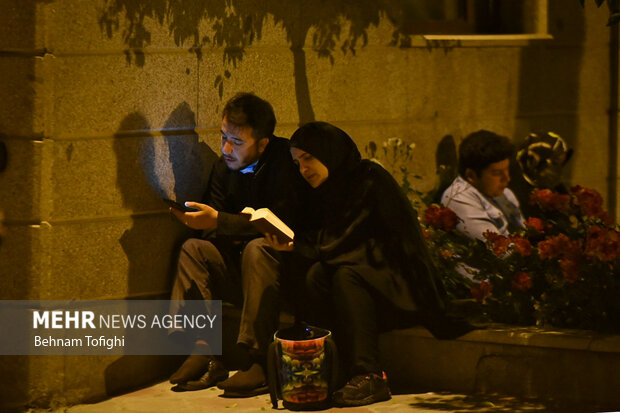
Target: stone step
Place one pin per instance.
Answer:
(572, 367)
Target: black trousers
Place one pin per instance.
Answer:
(361, 314)
(249, 278)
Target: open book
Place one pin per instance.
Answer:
(268, 223)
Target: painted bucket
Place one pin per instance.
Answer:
(302, 368)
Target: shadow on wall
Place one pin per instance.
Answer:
(549, 86)
(190, 159)
(139, 195)
(446, 164)
(174, 165)
(234, 25)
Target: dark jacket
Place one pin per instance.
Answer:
(270, 186)
(372, 229)
(359, 218)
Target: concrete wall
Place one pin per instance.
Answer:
(108, 105)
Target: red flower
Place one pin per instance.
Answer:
(481, 291)
(602, 243)
(536, 224)
(548, 200)
(548, 249)
(521, 245)
(590, 202)
(570, 269)
(559, 246)
(498, 243)
(441, 218)
(521, 281)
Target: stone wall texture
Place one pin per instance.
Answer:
(108, 105)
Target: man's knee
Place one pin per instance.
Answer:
(191, 246)
(258, 251)
(256, 247)
(196, 256)
(197, 248)
(260, 263)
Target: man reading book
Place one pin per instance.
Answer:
(233, 262)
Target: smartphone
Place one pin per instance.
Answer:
(180, 207)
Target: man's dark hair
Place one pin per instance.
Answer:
(247, 109)
(480, 149)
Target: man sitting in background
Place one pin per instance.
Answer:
(480, 196)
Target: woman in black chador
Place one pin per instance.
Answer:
(370, 263)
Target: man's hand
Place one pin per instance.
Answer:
(273, 242)
(205, 218)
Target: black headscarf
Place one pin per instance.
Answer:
(337, 151)
(330, 145)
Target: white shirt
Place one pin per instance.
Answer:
(480, 213)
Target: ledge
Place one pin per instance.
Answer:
(531, 336)
(479, 40)
(570, 367)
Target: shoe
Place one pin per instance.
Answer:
(363, 389)
(245, 383)
(192, 368)
(216, 373)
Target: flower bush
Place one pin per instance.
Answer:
(562, 269)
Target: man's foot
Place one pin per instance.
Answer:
(192, 369)
(216, 373)
(361, 390)
(245, 383)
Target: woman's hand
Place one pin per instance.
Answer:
(274, 243)
(205, 218)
